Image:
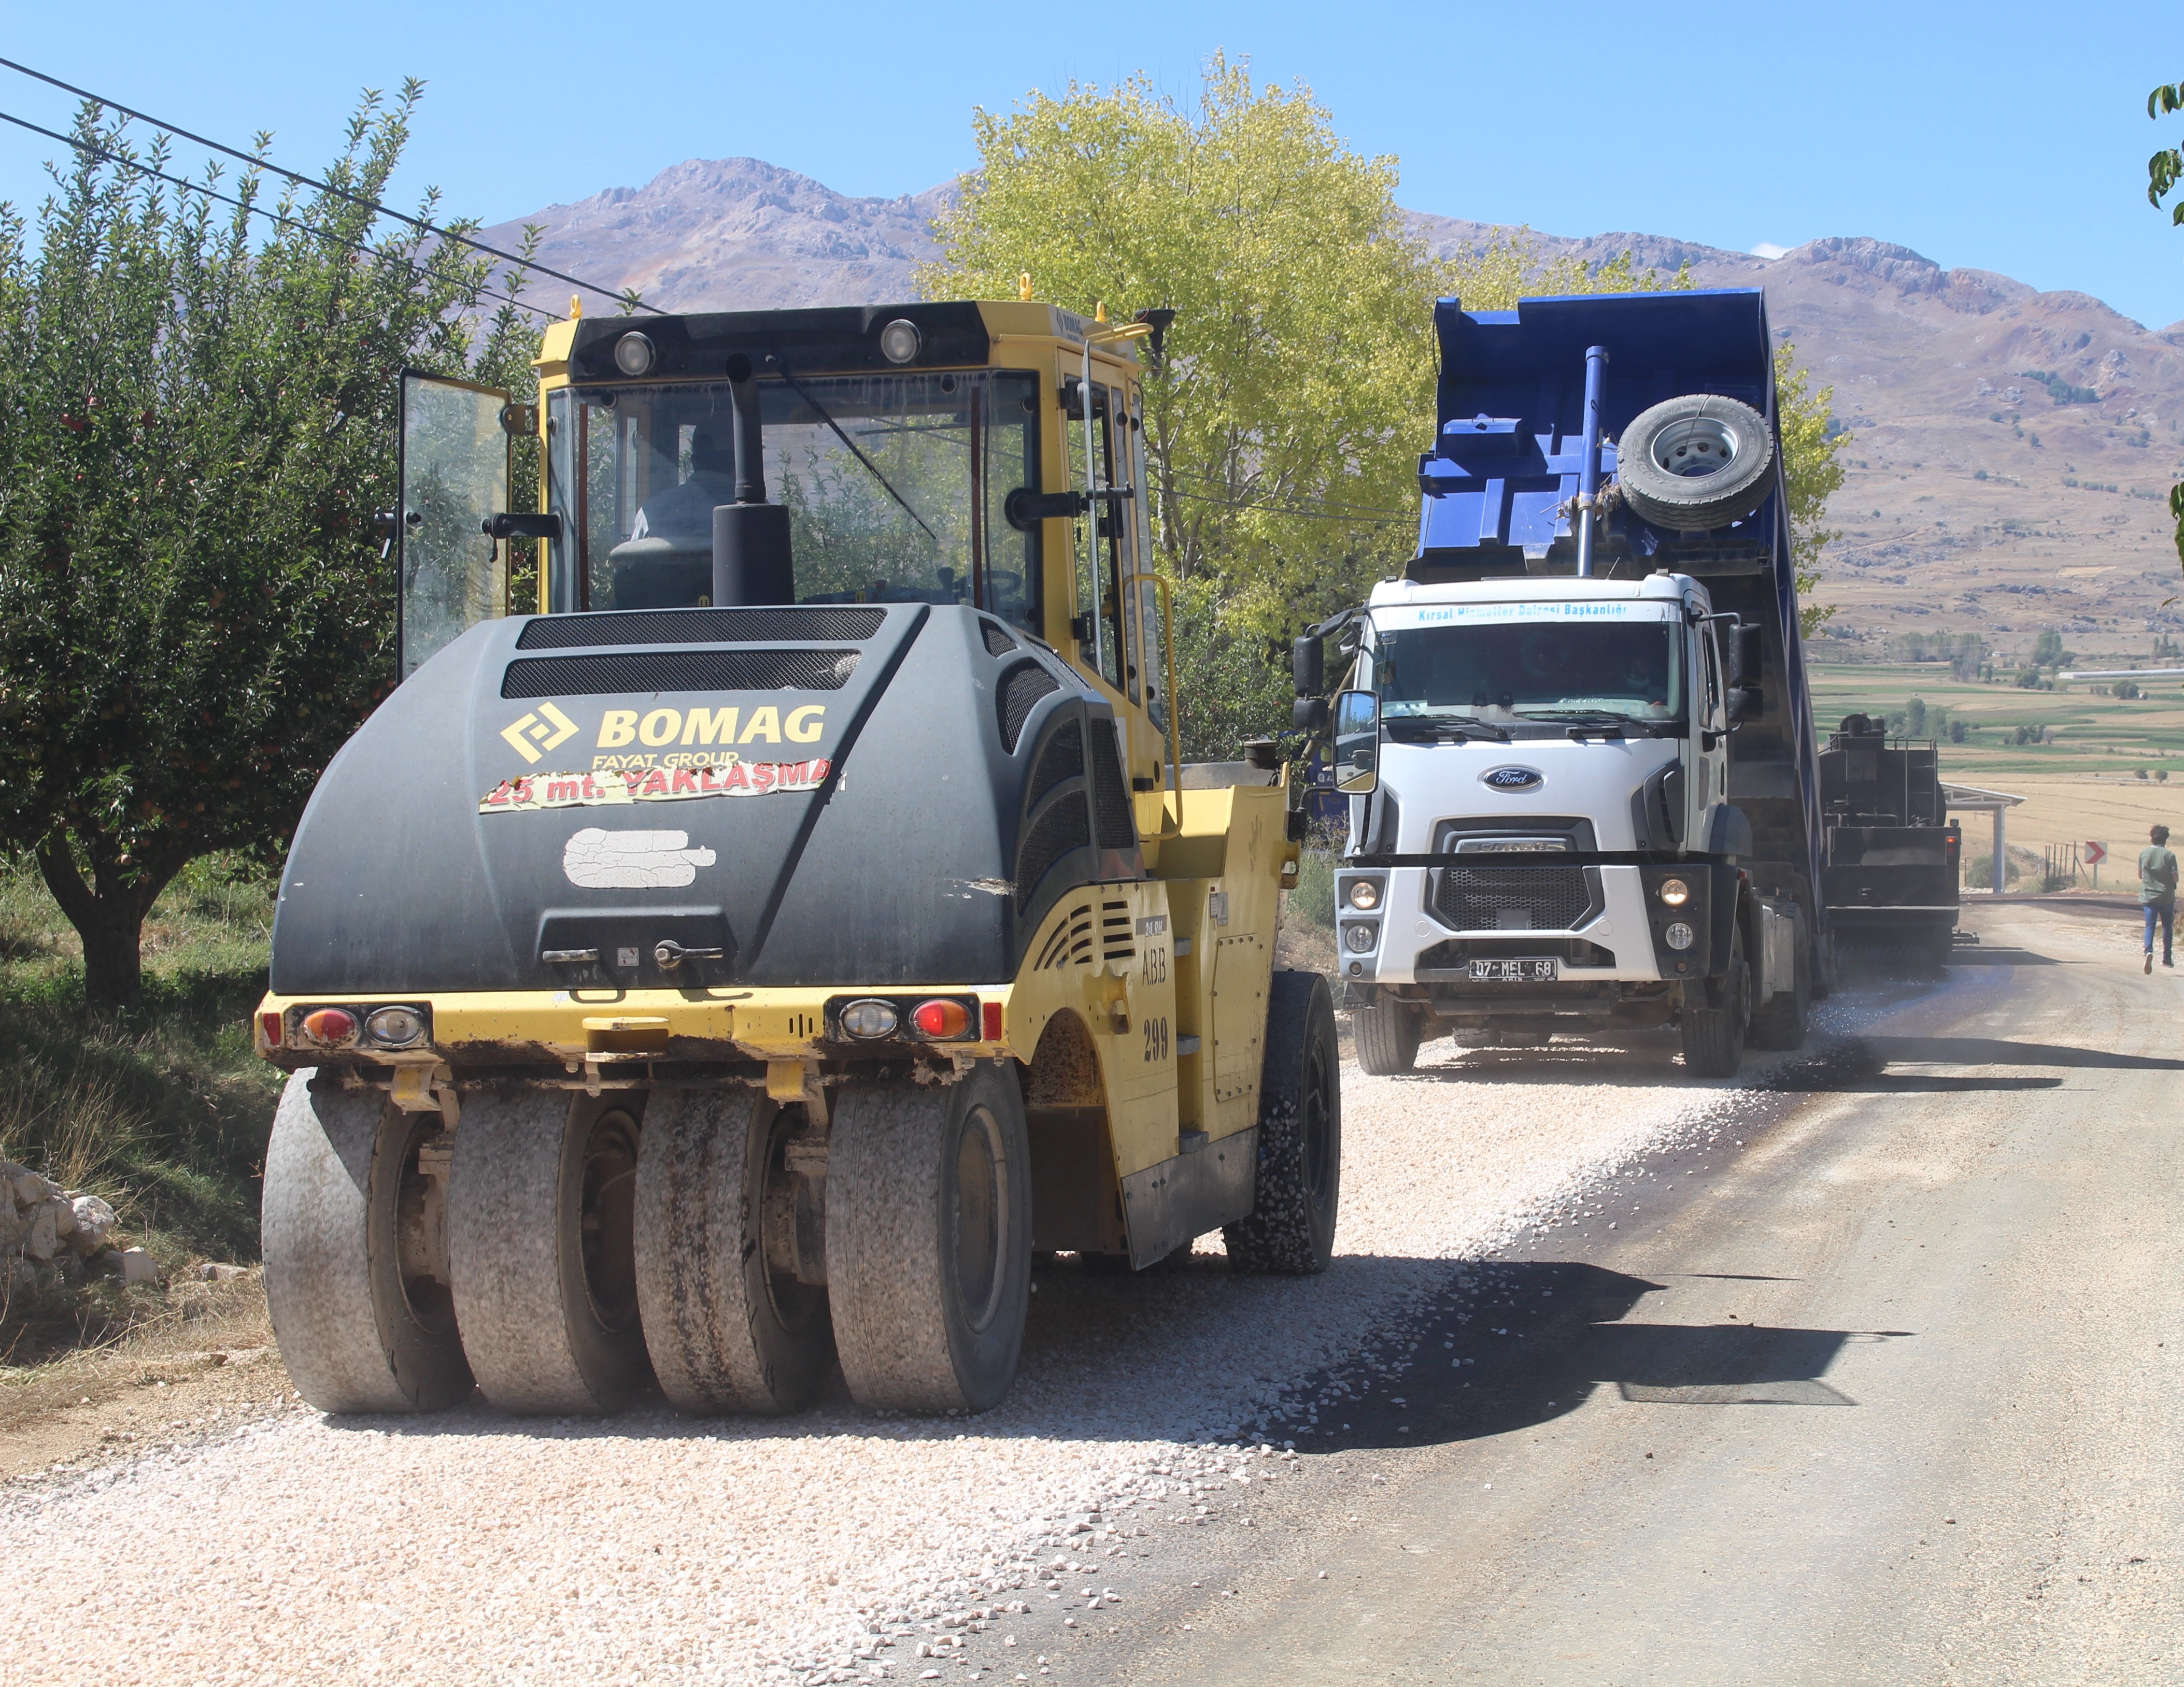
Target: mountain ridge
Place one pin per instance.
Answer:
(1984, 495)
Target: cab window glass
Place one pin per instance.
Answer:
(894, 484)
(1097, 539)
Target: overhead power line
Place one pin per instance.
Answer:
(143, 168)
(372, 205)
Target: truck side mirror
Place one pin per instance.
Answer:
(1309, 714)
(1746, 654)
(1357, 742)
(1308, 666)
(1745, 703)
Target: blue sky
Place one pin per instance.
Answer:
(2005, 136)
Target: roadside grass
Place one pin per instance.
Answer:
(164, 1109)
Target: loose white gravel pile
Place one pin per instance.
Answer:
(475, 1548)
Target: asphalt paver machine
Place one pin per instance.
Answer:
(745, 958)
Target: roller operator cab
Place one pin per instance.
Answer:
(1575, 734)
(742, 958)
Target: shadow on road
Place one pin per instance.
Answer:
(1994, 1051)
(1541, 1338)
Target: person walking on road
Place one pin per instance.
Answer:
(2157, 890)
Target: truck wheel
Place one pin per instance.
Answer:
(1386, 1037)
(1780, 1022)
(728, 1324)
(351, 1230)
(1697, 463)
(929, 1240)
(539, 1238)
(1298, 1183)
(1714, 1037)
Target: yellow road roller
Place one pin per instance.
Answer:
(746, 956)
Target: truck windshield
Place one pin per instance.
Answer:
(1549, 674)
(914, 513)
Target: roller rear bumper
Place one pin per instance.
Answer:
(563, 1030)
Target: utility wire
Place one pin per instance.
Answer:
(372, 205)
(127, 162)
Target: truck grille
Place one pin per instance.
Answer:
(1512, 898)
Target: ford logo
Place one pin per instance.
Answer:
(1511, 779)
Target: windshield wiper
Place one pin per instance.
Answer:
(1442, 726)
(797, 386)
(1605, 717)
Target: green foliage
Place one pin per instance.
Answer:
(163, 1109)
(2048, 652)
(196, 432)
(2061, 390)
(1281, 429)
(1313, 898)
(1813, 473)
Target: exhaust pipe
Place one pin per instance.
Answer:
(751, 560)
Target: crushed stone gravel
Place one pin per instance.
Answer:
(835, 1545)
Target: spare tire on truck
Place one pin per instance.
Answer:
(1697, 463)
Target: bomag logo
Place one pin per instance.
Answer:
(546, 729)
(664, 727)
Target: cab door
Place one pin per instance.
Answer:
(454, 476)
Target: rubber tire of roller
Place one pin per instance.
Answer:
(1697, 503)
(534, 1338)
(906, 1339)
(1386, 1037)
(1781, 1021)
(722, 1334)
(1297, 1182)
(347, 1332)
(1714, 1037)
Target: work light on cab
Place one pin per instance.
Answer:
(869, 1019)
(900, 340)
(941, 1019)
(331, 1028)
(633, 353)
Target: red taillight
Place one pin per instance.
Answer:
(269, 1027)
(941, 1019)
(331, 1027)
(993, 1026)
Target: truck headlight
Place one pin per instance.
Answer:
(1364, 895)
(1680, 936)
(1360, 936)
(1674, 891)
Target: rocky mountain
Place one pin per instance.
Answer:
(2011, 450)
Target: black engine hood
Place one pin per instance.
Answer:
(826, 794)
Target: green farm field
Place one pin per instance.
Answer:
(2083, 784)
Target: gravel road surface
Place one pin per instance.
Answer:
(1887, 1396)
(1146, 1432)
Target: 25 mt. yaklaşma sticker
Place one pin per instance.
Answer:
(535, 791)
